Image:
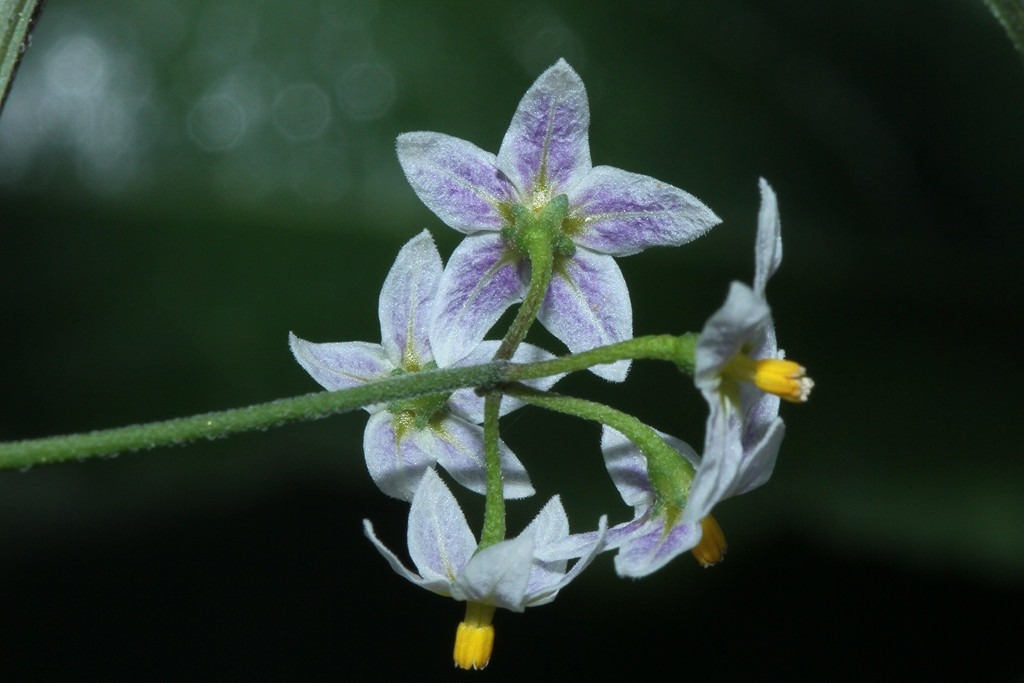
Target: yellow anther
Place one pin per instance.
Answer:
(783, 378)
(711, 548)
(474, 639)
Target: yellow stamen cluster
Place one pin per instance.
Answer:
(784, 378)
(712, 546)
(474, 639)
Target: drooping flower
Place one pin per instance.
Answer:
(405, 438)
(545, 154)
(664, 525)
(660, 530)
(742, 374)
(508, 574)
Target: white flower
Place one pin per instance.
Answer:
(405, 438)
(741, 372)
(508, 574)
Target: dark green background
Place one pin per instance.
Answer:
(181, 183)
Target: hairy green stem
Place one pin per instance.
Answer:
(535, 235)
(17, 18)
(677, 349)
(20, 454)
(541, 263)
(669, 472)
(494, 504)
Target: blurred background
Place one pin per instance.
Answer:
(184, 182)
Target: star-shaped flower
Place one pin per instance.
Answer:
(545, 154)
(507, 574)
(741, 372)
(405, 438)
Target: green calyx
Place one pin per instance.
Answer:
(671, 475)
(419, 412)
(541, 228)
(669, 510)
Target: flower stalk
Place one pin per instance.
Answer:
(212, 425)
(536, 236)
(494, 502)
(670, 474)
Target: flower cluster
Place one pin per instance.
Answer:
(543, 227)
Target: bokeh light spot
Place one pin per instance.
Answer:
(366, 91)
(216, 123)
(301, 111)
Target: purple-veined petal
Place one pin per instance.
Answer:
(405, 303)
(395, 458)
(436, 585)
(498, 575)
(470, 405)
(581, 545)
(458, 446)
(483, 278)
(457, 180)
(340, 365)
(546, 147)
(627, 467)
(768, 248)
(587, 305)
(652, 546)
(624, 213)
(645, 543)
(440, 541)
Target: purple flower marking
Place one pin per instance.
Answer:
(545, 153)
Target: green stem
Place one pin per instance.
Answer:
(16, 20)
(54, 449)
(20, 454)
(669, 472)
(677, 349)
(541, 263)
(534, 235)
(494, 504)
